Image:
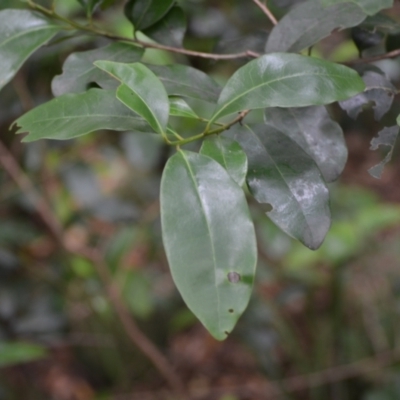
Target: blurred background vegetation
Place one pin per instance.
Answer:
(321, 325)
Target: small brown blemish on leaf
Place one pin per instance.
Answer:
(233, 277)
(226, 333)
(230, 310)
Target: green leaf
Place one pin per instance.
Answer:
(21, 33)
(145, 13)
(209, 239)
(73, 115)
(310, 22)
(90, 5)
(283, 176)
(386, 137)
(14, 353)
(181, 80)
(79, 71)
(370, 7)
(316, 133)
(287, 80)
(179, 108)
(381, 23)
(170, 30)
(229, 154)
(141, 91)
(379, 92)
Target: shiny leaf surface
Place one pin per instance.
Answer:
(170, 30)
(287, 80)
(141, 91)
(282, 175)
(145, 13)
(79, 70)
(310, 22)
(181, 80)
(73, 115)
(229, 154)
(209, 239)
(21, 33)
(316, 133)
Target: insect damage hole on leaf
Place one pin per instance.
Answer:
(233, 277)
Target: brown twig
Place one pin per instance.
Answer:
(93, 30)
(264, 8)
(391, 54)
(51, 222)
(211, 56)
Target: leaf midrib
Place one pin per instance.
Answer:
(242, 94)
(210, 235)
(88, 115)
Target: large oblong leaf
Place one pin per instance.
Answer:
(21, 33)
(73, 115)
(145, 13)
(209, 239)
(287, 80)
(229, 154)
(310, 22)
(282, 175)
(141, 91)
(79, 71)
(316, 133)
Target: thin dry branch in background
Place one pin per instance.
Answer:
(264, 8)
(44, 211)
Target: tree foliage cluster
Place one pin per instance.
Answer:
(264, 132)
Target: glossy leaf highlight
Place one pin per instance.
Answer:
(209, 239)
(287, 80)
(21, 33)
(316, 133)
(73, 115)
(282, 175)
